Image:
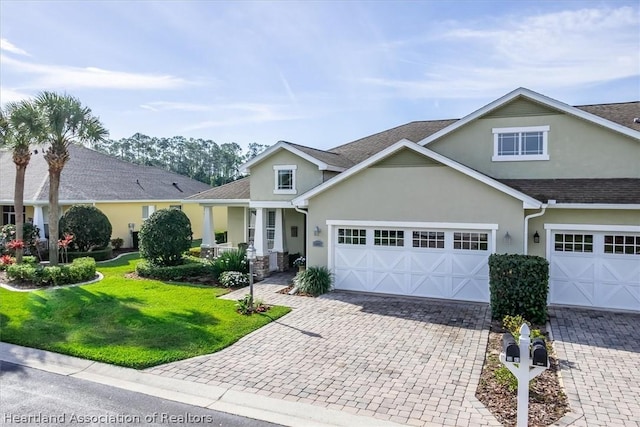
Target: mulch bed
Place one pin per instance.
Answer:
(300, 294)
(547, 400)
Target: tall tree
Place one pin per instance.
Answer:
(66, 121)
(20, 127)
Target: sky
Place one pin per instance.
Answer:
(316, 73)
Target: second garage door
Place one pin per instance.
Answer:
(448, 263)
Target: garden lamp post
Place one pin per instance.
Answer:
(251, 255)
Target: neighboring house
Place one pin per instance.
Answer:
(125, 192)
(417, 209)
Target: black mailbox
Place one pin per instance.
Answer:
(510, 348)
(539, 355)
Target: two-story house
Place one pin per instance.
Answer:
(417, 209)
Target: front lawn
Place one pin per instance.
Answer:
(126, 321)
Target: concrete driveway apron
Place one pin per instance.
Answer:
(599, 356)
(411, 361)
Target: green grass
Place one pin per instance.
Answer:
(135, 323)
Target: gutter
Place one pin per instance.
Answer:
(526, 223)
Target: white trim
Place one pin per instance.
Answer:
(270, 204)
(283, 145)
(545, 100)
(527, 201)
(414, 224)
(630, 206)
(592, 227)
(276, 170)
(520, 157)
(226, 202)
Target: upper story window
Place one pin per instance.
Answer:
(521, 143)
(285, 179)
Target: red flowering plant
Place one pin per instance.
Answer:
(64, 245)
(5, 261)
(15, 244)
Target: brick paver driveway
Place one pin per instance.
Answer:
(599, 356)
(411, 361)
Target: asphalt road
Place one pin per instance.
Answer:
(30, 397)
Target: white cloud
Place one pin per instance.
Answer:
(564, 49)
(55, 76)
(7, 46)
(235, 114)
(11, 95)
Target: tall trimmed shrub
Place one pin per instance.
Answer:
(165, 236)
(91, 228)
(519, 285)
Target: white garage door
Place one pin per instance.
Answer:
(426, 262)
(595, 269)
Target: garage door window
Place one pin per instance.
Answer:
(573, 243)
(621, 244)
(388, 238)
(352, 236)
(471, 241)
(428, 239)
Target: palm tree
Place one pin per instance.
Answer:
(20, 127)
(66, 122)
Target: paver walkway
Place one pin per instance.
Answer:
(412, 361)
(599, 356)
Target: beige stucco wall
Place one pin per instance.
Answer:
(237, 223)
(263, 176)
(419, 193)
(576, 216)
(577, 149)
(292, 218)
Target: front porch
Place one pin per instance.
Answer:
(277, 233)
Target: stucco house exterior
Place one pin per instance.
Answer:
(417, 209)
(125, 192)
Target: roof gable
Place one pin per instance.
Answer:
(324, 160)
(527, 201)
(544, 101)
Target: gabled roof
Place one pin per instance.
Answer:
(581, 190)
(234, 191)
(527, 201)
(91, 176)
(623, 113)
(541, 99)
(325, 160)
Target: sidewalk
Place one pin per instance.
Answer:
(218, 398)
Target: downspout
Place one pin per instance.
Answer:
(526, 226)
(294, 290)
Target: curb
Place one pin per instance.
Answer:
(217, 398)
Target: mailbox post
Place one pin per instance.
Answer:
(529, 365)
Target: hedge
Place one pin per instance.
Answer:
(80, 270)
(519, 285)
(176, 273)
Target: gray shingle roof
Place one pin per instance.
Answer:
(582, 190)
(622, 113)
(332, 159)
(232, 191)
(93, 176)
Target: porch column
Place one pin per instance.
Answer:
(278, 241)
(208, 230)
(38, 219)
(258, 233)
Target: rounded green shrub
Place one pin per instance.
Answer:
(90, 228)
(165, 236)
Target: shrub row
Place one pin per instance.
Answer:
(176, 273)
(98, 255)
(80, 270)
(519, 285)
